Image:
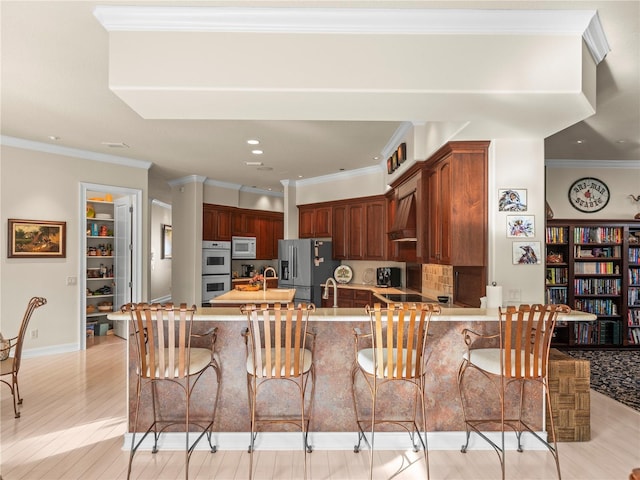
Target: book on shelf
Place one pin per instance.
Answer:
(596, 268)
(597, 235)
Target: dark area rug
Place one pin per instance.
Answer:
(615, 373)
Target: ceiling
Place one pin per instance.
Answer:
(55, 90)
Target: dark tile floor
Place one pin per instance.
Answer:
(615, 373)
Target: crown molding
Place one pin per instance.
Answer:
(332, 177)
(160, 203)
(342, 20)
(377, 21)
(561, 163)
(73, 152)
(186, 180)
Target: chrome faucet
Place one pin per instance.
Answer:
(264, 276)
(325, 295)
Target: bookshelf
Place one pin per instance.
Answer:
(593, 266)
(633, 291)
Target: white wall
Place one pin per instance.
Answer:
(219, 193)
(516, 164)
(622, 178)
(37, 185)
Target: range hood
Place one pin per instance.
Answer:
(404, 225)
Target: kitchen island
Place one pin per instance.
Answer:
(333, 423)
(270, 296)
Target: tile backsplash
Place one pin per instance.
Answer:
(437, 280)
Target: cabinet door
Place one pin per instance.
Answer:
(264, 233)
(434, 233)
(278, 234)
(209, 222)
(439, 191)
(224, 225)
(375, 236)
(355, 242)
(305, 222)
(216, 223)
(243, 223)
(322, 222)
(444, 199)
(340, 232)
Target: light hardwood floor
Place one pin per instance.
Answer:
(73, 421)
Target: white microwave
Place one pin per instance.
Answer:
(243, 248)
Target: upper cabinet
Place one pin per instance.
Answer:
(221, 222)
(216, 222)
(356, 226)
(456, 205)
(314, 221)
(438, 208)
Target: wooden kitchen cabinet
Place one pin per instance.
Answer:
(216, 222)
(314, 221)
(357, 226)
(456, 185)
(359, 229)
(220, 222)
(244, 223)
(375, 238)
(356, 231)
(349, 298)
(339, 227)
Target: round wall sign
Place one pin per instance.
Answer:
(589, 195)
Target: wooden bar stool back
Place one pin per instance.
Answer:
(393, 352)
(521, 356)
(162, 336)
(279, 350)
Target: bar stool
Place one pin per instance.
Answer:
(524, 338)
(393, 354)
(279, 350)
(162, 335)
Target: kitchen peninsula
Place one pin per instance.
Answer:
(333, 422)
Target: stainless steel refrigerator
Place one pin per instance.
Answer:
(305, 264)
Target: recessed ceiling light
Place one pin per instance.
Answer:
(53, 137)
(621, 141)
(300, 176)
(253, 142)
(253, 164)
(376, 158)
(579, 142)
(257, 152)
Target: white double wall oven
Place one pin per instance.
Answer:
(216, 269)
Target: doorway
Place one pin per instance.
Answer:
(110, 256)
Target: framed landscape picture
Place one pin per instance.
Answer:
(37, 239)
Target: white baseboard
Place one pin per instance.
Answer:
(52, 350)
(334, 441)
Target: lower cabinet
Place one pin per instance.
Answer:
(349, 298)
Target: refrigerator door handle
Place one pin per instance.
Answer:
(295, 262)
